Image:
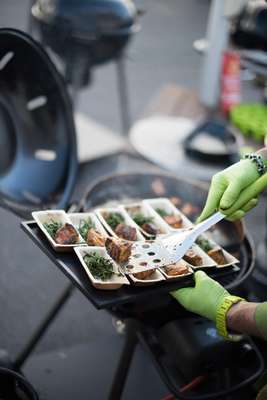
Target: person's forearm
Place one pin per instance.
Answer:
(248, 318)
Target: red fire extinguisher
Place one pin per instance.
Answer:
(230, 81)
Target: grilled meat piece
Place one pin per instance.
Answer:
(95, 238)
(217, 255)
(126, 232)
(192, 258)
(67, 235)
(118, 249)
(175, 221)
(150, 229)
(144, 274)
(180, 268)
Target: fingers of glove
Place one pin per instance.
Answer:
(217, 188)
(236, 216)
(230, 195)
(241, 213)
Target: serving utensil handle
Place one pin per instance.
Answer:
(208, 223)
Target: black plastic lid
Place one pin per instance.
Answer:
(38, 154)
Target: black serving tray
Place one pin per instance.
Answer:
(69, 264)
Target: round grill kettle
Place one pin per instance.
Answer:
(85, 33)
(38, 155)
(249, 31)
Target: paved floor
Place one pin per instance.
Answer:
(161, 52)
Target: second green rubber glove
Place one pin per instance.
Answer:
(203, 299)
(226, 187)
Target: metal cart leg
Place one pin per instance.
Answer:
(123, 95)
(45, 323)
(124, 362)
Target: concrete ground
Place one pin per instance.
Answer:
(162, 52)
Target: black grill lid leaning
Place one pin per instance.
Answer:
(38, 155)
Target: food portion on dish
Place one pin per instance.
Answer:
(170, 215)
(103, 272)
(177, 270)
(58, 228)
(119, 224)
(198, 258)
(118, 249)
(89, 228)
(216, 252)
(150, 224)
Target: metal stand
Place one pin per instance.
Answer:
(123, 367)
(123, 95)
(42, 328)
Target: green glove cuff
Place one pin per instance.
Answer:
(261, 319)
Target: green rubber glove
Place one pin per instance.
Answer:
(226, 187)
(203, 299)
(261, 318)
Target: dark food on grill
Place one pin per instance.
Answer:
(146, 223)
(84, 226)
(175, 221)
(52, 227)
(95, 238)
(176, 269)
(118, 249)
(126, 232)
(217, 255)
(99, 266)
(192, 258)
(204, 244)
(67, 235)
(113, 219)
(144, 274)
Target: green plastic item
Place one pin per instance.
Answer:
(250, 119)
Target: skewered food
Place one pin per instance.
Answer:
(146, 223)
(126, 232)
(217, 255)
(67, 235)
(118, 249)
(99, 266)
(144, 274)
(84, 226)
(192, 258)
(95, 238)
(177, 269)
(175, 221)
(52, 227)
(113, 219)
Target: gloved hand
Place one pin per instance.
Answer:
(203, 299)
(226, 187)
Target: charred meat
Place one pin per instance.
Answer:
(175, 221)
(217, 255)
(126, 232)
(95, 238)
(177, 269)
(113, 219)
(192, 258)
(146, 223)
(144, 274)
(118, 249)
(150, 229)
(67, 235)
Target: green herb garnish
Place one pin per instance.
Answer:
(84, 226)
(100, 267)
(114, 219)
(52, 227)
(162, 212)
(204, 244)
(140, 219)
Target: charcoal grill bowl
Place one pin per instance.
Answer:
(38, 144)
(131, 187)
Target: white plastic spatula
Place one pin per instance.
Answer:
(171, 248)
